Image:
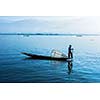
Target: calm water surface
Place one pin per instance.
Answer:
(15, 68)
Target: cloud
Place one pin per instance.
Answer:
(52, 24)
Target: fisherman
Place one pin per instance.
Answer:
(70, 54)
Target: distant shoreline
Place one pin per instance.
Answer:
(49, 34)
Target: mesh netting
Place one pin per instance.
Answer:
(56, 53)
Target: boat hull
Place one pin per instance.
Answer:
(33, 56)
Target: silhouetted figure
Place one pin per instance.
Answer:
(70, 65)
(70, 54)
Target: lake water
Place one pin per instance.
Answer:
(15, 68)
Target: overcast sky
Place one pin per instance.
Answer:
(75, 24)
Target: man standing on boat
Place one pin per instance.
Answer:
(70, 53)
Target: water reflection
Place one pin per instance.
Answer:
(56, 63)
(70, 65)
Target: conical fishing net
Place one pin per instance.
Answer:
(58, 54)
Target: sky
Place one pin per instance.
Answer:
(51, 24)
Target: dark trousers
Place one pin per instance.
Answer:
(70, 55)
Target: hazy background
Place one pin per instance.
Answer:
(51, 24)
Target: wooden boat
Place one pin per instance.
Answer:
(34, 56)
